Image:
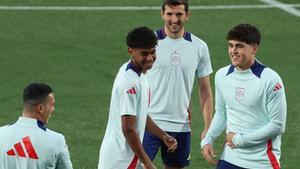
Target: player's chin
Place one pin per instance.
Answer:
(235, 62)
(148, 66)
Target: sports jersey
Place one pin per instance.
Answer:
(252, 104)
(172, 76)
(130, 96)
(28, 144)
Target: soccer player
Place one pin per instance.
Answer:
(128, 116)
(250, 103)
(27, 143)
(180, 57)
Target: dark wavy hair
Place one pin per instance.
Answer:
(141, 37)
(245, 33)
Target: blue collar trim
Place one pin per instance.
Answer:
(131, 66)
(41, 125)
(257, 68)
(162, 35)
(230, 70)
(187, 36)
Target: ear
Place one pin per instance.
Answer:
(39, 108)
(188, 15)
(130, 51)
(162, 14)
(255, 48)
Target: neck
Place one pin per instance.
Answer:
(174, 35)
(32, 115)
(246, 66)
(136, 67)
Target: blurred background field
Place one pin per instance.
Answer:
(79, 53)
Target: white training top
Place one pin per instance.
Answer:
(27, 144)
(172, 77)
(130, 96)
(252, 104)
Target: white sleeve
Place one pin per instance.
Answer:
(129, 94)
(204, 67)
(276, 112)
(219, 121)
(63, 157)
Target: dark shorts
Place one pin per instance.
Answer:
(179, 158)
(226, 165)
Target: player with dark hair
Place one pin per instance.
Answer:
(181, 58)
(27, 143)
(121, 147)
(250, 104)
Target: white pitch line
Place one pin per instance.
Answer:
(134, 8)
(282, 6)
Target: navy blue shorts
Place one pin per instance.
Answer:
(226, 165)
(179, 158)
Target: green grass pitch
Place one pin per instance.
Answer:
(79, 53)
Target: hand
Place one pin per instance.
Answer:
(229, 138)
(170, 142)
(209, 154)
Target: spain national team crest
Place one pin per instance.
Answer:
(175, 58)
(239, 94)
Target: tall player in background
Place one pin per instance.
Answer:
(250, 103)
(180, 57)
(128, 115)
(27, 143)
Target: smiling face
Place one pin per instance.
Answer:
(46, 108)
(142, 59)
(174, 17)
(242, 55)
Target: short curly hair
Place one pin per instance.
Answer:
(245, 33)
(141, 37)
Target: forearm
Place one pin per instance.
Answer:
(259, 136)
(217, 126)
(135, 144)
(132, 138)
(154, 129)
(206, 103)
(206, 100)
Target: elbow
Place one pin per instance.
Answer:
(128, 130)
(279, 128)
(282, 129)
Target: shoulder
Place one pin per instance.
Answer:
(271, 76)
(127, 78)
(196, 40)
(55, 136)
(7, 129)
(223, 71)
(3, 130)
(56, 141)
(127, 74)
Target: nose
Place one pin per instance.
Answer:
(174, 19)
(149, 57)
(234, 50)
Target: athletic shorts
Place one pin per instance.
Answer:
(179, 158)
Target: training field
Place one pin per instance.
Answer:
(78, 51)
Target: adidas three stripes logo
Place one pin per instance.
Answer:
(20, 149)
